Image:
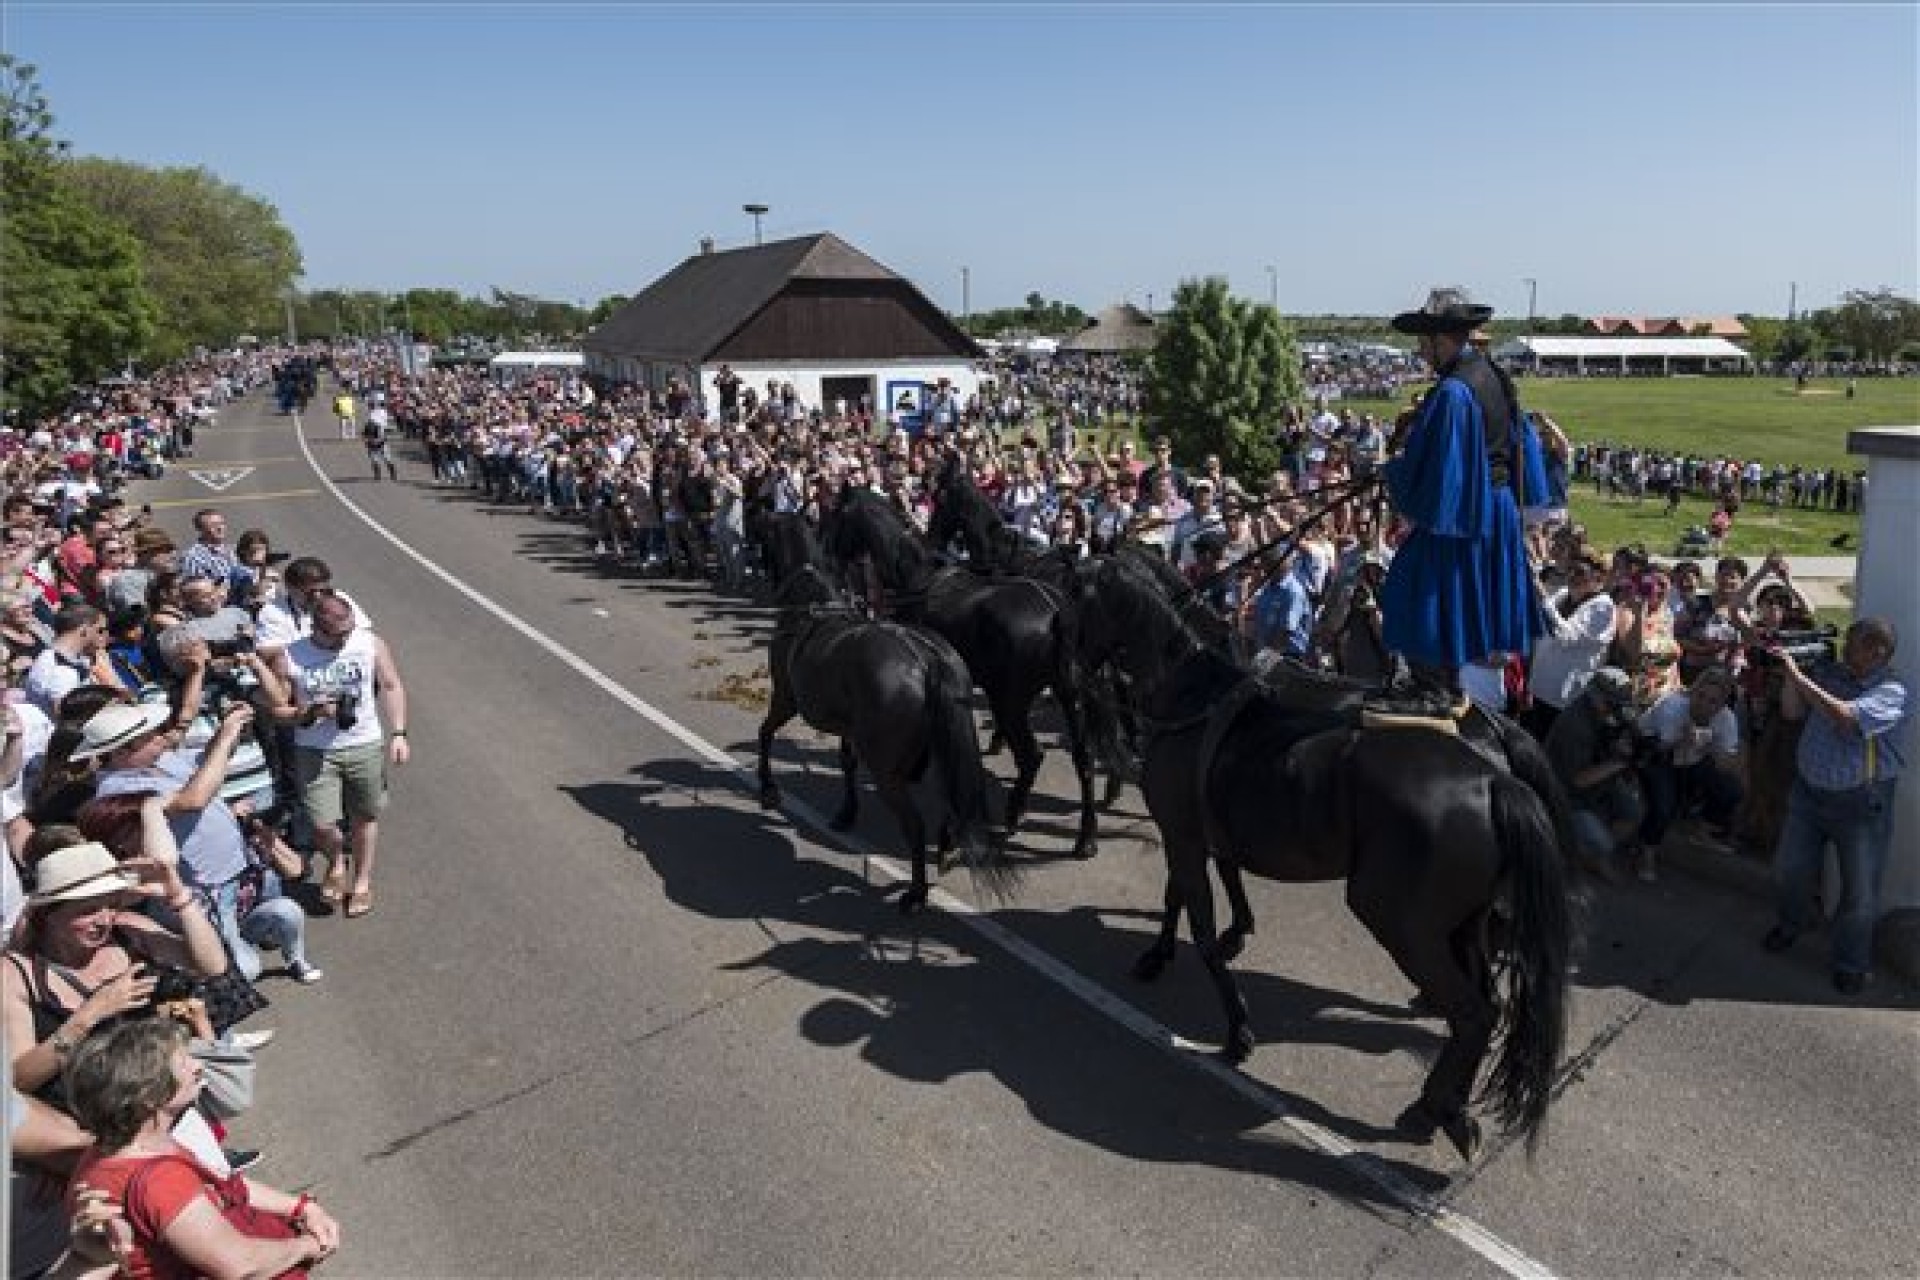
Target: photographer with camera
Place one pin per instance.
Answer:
(1694, 757)
(345, 685)
(1849, 760)
(1593, 749)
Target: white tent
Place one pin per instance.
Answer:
(537, 360)
(1624, 355)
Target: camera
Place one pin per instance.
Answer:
(171, 987)
(233, 646)
(346, 710)
(1805, 646)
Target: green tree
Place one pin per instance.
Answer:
(1874, 323)
(218, 260)
(73, 306)
(1221, 376)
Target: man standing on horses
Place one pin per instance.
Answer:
(1460, 587)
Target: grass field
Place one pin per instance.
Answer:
(1763, 418)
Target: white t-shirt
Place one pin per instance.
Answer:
(36, 731)
(320, 675)
(280, 622)
(1669, 721)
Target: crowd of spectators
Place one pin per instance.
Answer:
(1626, 471)
(184, 728)
(660, 482)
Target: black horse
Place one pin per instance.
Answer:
(1016, 635)
(1453, 857)
(896, 696)
(961, 513)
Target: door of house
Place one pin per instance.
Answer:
(850, 389)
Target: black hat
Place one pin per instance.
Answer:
(1446, 311)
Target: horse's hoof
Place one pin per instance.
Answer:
(912, 900)
(842, 820)
(1239, 1045)
(1111, 796)
(1231, 945)
(1417, 1122)
(769, 797)
(1086, 849)
(1150, 965)
(1464, 1132)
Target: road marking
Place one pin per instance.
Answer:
(237, 497)
(220, 479)
(1364, 1165)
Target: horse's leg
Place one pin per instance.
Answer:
(780, 709)
(1026, 759)
(1199, 898)
(1460, 993)
(1086, 842)
(1153, 961)
(1234, 940)
(849, 809)
(897, 795)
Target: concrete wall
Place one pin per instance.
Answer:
(1887, 585)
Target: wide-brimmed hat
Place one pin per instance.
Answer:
(116, 726)
(79, 872)
(1445, 311)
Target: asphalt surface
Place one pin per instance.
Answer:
(608, 1017)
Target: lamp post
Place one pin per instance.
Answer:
(966, 299)
(1532, 288)
(756, 210)
(1273, 287)
(293, 334)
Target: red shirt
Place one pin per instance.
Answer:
(163, 1195)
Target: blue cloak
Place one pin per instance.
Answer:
(1459, 587)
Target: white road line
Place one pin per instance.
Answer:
(1363, 1164)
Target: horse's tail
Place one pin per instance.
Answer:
(1533, 954)
(1528, 761)
(956, 751)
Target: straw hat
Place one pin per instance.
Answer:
(115, 726)
(79, 872)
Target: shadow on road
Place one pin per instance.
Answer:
(926, 1001)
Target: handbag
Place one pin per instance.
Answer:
(226, 1075)
(229, 1194)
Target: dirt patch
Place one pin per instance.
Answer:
(749, 692)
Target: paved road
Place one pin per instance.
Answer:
(610, 1018)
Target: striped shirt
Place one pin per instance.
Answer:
(1836, 756)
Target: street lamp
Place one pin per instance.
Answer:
(1532, 292)
(756, 210)
(966, 299)
(293, 335)
(1273, 287)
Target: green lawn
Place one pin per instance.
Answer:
(1760, 418)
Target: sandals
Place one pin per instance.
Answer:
(359, 903)
(334, 888)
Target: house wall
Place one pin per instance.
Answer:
(807, 377)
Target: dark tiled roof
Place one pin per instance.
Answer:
(687, 314)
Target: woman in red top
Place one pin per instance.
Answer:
(128, 1087)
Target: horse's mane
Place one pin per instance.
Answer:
(868, 522)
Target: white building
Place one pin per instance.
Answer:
(811, 311)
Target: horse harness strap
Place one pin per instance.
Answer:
(1448, 725)
(1220, 718)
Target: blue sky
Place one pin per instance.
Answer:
(1629, 158)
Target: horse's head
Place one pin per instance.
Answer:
(790, 545)
(1122, 616)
